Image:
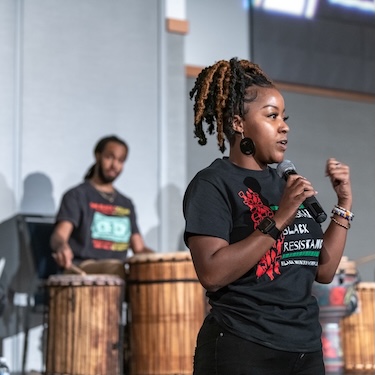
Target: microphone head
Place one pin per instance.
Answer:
(284, 168)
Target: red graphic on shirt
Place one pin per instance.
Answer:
(269, 264)
(106, 209)
(110, 209)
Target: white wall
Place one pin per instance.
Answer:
(218, 29)
(175, 9)
(8, 92)
(84, 70)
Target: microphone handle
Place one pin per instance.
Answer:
(315, 209)
(311, 203)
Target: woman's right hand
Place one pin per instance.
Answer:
(297, 190)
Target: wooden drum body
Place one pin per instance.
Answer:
(358, 331)
(166, 310)
(84, 315)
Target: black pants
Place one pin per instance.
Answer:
(221, 353)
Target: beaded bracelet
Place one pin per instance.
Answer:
(340, 224)
(343, 212)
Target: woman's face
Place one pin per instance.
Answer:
(264, 122)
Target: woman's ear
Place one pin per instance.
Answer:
(237, 124)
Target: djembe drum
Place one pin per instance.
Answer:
(166, 309)
(358, 332)
(336, 300)
(84, 315)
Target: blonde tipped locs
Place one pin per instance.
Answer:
(220, 93)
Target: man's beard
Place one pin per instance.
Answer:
(103, 177)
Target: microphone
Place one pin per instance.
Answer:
(287, 168)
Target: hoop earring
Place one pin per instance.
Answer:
(247, 145)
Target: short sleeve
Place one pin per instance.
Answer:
(133, 218)
(206, 210)
(70, 208)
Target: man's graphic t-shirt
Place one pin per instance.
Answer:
(272, 303)
(102, 230)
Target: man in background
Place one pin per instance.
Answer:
(96, 224)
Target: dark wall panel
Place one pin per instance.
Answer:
(322, 52)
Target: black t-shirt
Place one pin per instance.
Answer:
(272, 303)
(102, 229)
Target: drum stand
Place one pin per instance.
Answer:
(330, 317)
(32, 307)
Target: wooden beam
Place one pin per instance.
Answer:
(177, 26)
(192, 71)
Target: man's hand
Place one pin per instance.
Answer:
(62, 252)
(64, 256)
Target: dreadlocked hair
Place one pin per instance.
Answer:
(220, 94)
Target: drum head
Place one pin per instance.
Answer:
(160, 257)
(77, 280)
